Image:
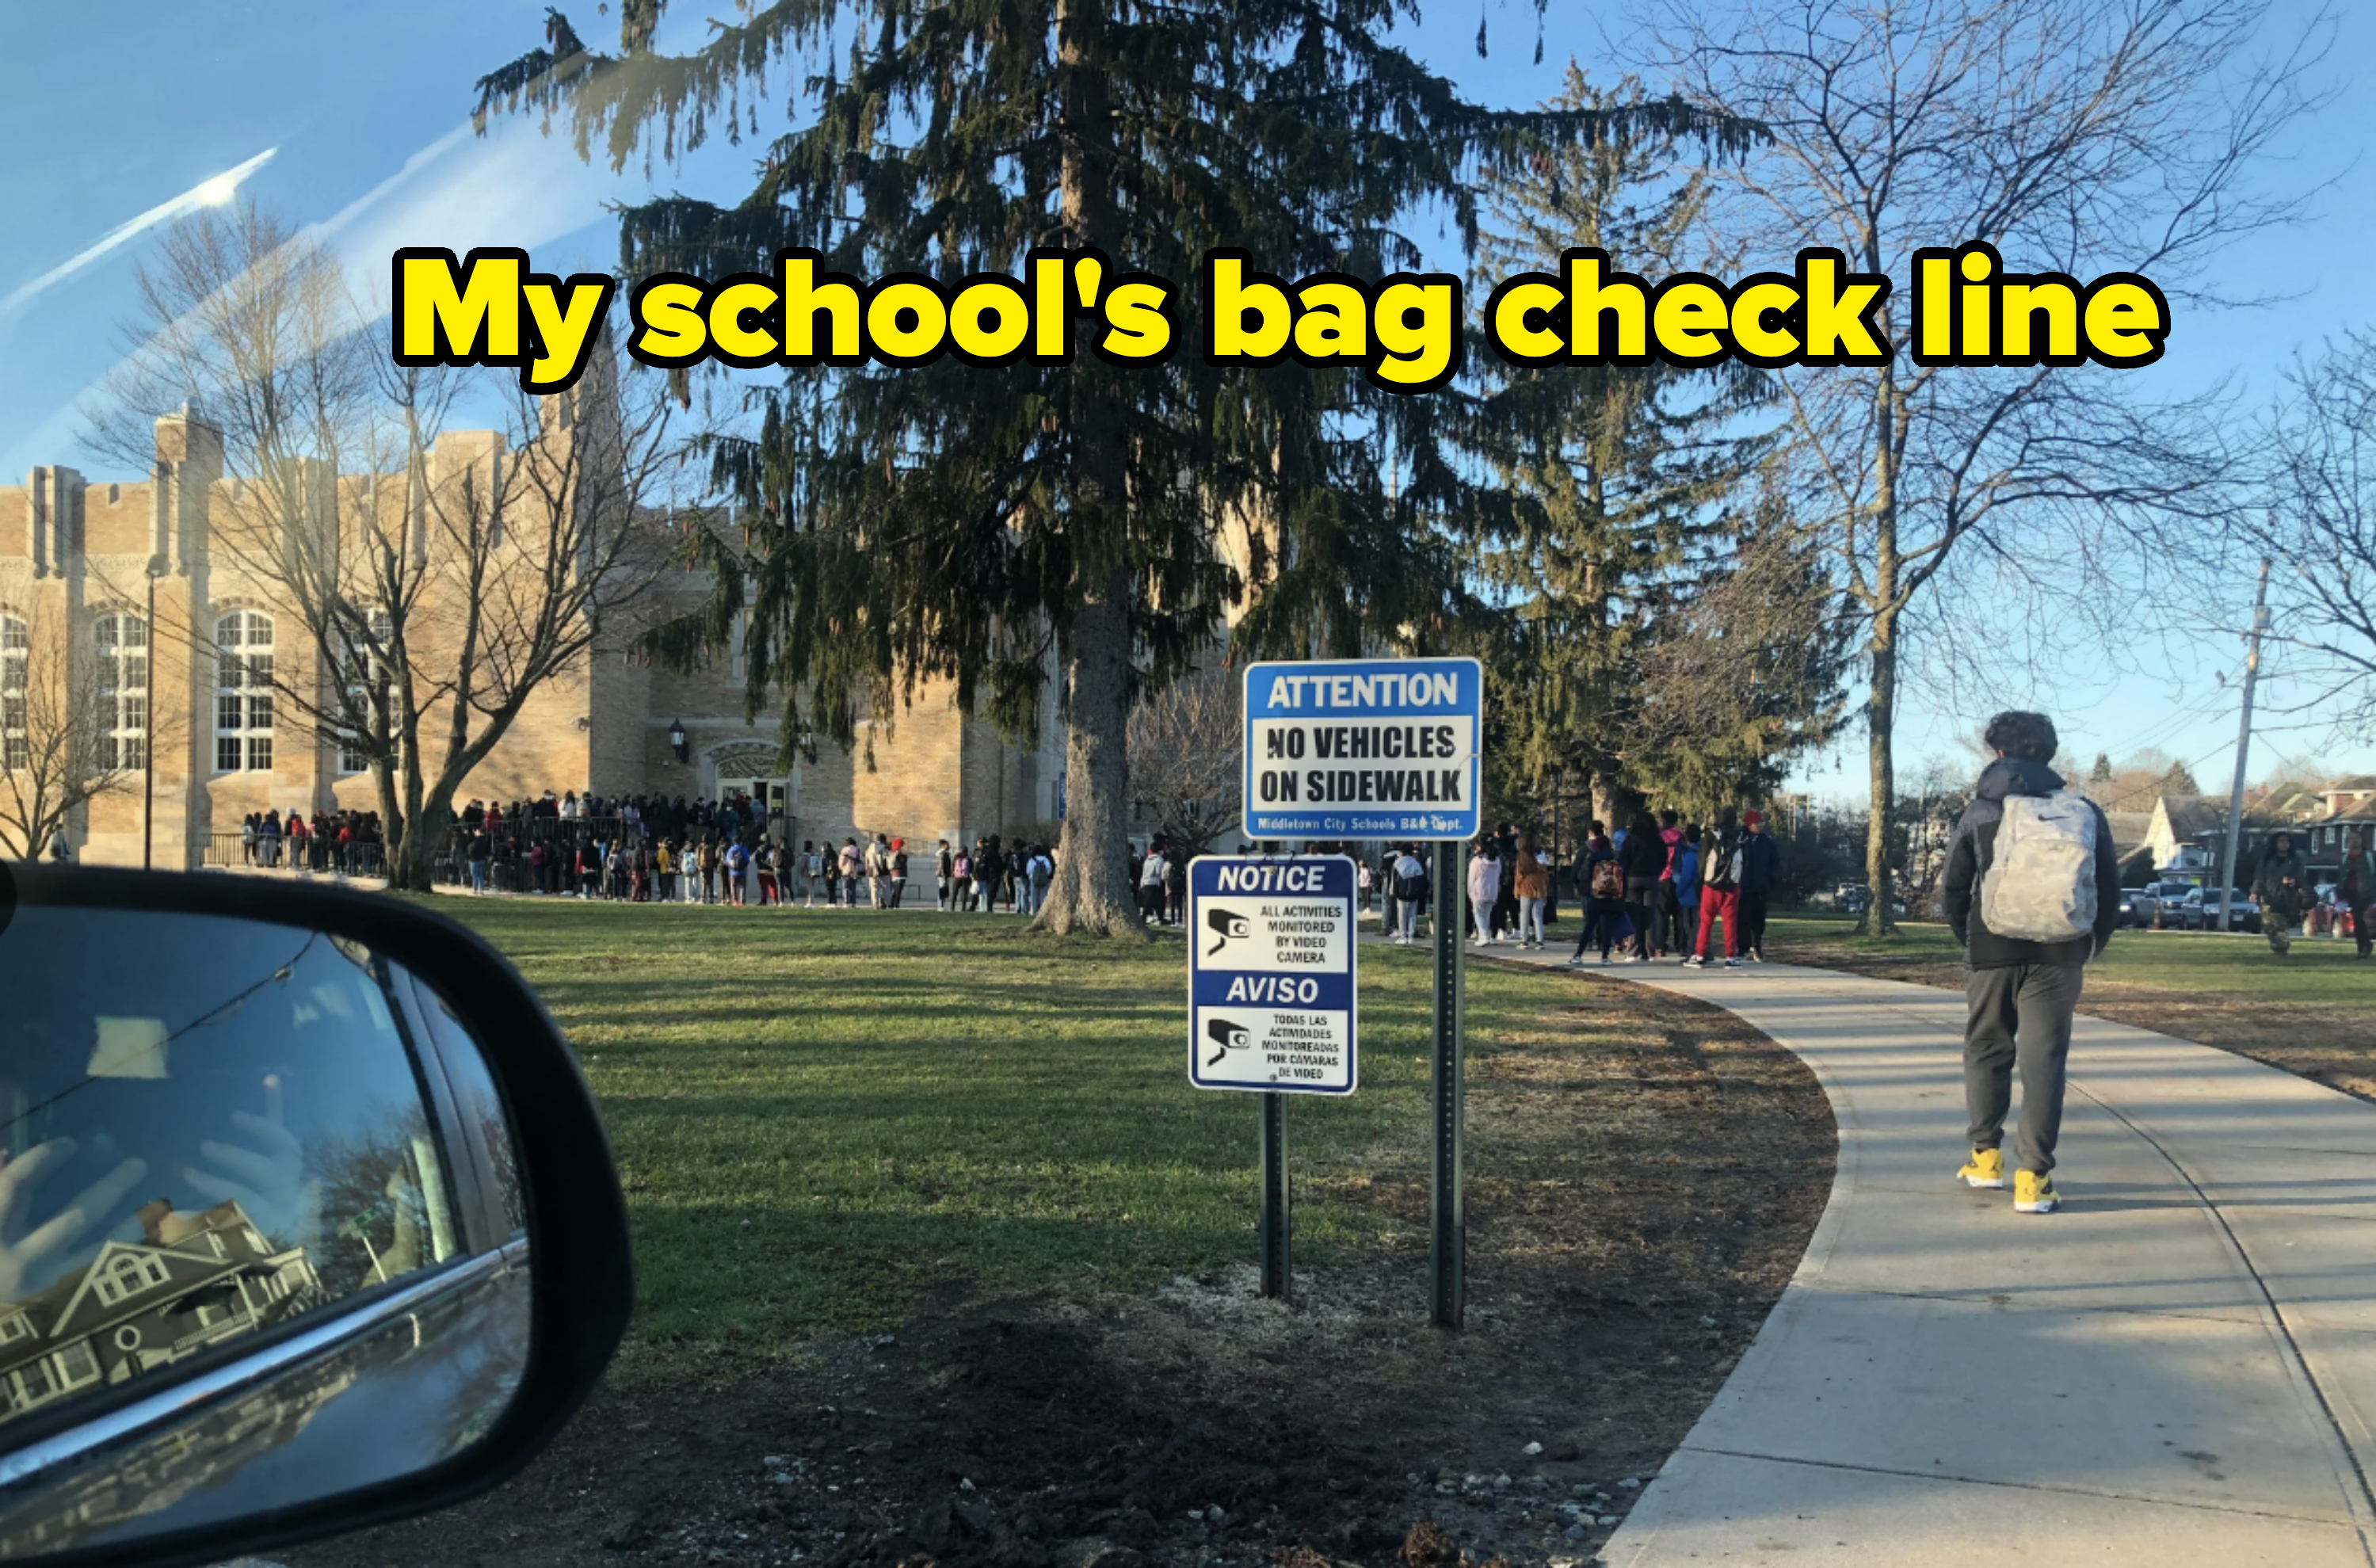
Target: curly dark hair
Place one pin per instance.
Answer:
(2027, 735)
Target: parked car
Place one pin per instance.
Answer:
(2200, 911)
(2168, 901)
(417, 1274)
(2137, 907)
(1853, 897)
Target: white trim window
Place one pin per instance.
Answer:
(125, 1276)
(16, 745)
(122, 640)
(354, 752)
(244, 693)
(15, 1327)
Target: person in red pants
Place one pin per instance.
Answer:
(1720, 856)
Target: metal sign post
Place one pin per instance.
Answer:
(1392, 749)
(1273, 1001)
(1276, 1207)
(1448, 1206)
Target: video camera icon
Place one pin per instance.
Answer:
(1227, 1035)
(1228, 925)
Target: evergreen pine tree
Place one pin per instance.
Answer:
(1663, 635)
(988, 523)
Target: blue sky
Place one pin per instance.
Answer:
(366, 104)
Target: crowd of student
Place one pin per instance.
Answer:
(348, 842)
(1658, 886)
(654, 849)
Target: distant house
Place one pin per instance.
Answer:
(2129, 838)
(2176, 830)
(194, 1282)
(2349, 805)
(2355, 796)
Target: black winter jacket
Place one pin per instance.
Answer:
(1974, 847)
(1642, 855)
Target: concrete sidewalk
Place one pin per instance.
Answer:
(2180, 1368)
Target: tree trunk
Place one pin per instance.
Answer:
(1881, 718)
(1091, 891)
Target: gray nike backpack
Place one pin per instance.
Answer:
(2041, 886)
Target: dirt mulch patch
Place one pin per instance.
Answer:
(2328, 1045)
(1644, 1175)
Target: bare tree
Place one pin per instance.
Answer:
(441, 579)
(57, 717)
(1185, 744)
(2078, 137)
(2319, 534)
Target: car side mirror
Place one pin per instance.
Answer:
(308, 1221)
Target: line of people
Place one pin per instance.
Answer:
(1661, 886)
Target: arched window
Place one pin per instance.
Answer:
(243, 692)
(123, 642)
(15, 747)
(125, 1276)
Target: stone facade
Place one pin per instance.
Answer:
(80, 559)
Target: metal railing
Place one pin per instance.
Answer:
(312, 856)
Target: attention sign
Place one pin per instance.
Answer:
(1271, 974)
(1372, 748)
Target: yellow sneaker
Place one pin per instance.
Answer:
(2033, 1192)
(1985, 1168)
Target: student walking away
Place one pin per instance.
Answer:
(2032, 890)
(1672, 935)
(1759, 862)
(1533, 878)
(1410, 874)
(1643, 857)
(1602, 879)
(1175, 888)
(1040, 873)
(1721, 866)
(1151, 885)
(943, 868)
(2283, 891)
(738, 861)
(961, 874)
(1484, 888)
(2356, 886)
(479, 851)
(1363, 885)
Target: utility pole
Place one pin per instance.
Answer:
(2244, 740)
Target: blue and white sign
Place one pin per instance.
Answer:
(1271, 991)
(1364, 748)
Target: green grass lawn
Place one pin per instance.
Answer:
(2237, 965)
(823, 1118)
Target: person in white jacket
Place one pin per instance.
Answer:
(1484, 888)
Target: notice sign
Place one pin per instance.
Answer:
(1371, 748)
(1271, 974)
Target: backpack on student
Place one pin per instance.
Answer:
(1720, 863)
(1607, 879)
(2040, 884)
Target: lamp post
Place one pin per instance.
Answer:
(149, 723)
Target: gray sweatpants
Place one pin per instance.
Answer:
(2018, 1014)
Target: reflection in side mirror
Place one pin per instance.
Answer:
(264, 1239)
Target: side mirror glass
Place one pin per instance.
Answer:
(270, 1262)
